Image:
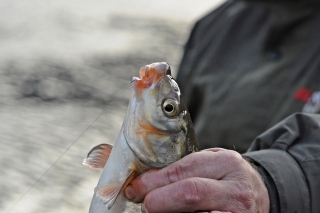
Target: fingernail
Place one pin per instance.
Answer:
(130, 193)
(143, 209)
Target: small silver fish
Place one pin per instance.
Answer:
(156, 131)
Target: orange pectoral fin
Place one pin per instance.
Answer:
(108, 194)
(98, 156)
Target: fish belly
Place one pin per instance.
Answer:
(114, 172)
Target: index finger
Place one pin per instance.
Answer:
(213, 164)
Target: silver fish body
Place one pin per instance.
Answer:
(157, 131)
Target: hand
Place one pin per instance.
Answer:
(213, 180)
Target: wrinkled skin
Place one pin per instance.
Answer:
(213, 180)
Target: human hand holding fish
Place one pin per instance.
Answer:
(213, 180)
(157, 135)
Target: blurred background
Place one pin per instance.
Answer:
(65, 68)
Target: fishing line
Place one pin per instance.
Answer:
(65, 152)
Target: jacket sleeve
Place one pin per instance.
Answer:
(288, 158)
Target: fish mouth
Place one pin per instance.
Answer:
(151, 74)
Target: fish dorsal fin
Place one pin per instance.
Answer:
(108, 194)
(98, 156)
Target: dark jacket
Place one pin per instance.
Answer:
(247, 66)
(288, 158)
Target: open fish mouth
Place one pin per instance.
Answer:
(151, 74)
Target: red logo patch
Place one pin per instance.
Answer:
(303, 95)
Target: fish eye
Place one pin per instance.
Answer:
(170, 107)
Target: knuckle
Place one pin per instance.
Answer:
(143, 184)
(175, 172)
(233, 159)
(189, 192)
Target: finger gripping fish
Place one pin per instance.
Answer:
(156, 131)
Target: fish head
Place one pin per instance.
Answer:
(159, 129)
